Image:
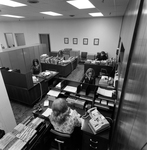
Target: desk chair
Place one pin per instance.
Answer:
(83, 56)
(62, 139)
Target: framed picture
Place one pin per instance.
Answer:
(96, 41)
(85, 41)
(75, 40)
(66, 40)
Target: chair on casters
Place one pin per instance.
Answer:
(83, 56)
(62, 139)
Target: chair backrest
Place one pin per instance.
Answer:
(84, 55)
(61, 138)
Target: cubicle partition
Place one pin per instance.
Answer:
(20, 87)
(110, 70)
(21, 57)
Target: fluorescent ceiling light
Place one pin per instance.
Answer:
(11, 3)
(51, 13)
(96, 14)
(13, 16)
(81, 4)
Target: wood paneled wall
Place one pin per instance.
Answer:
(22, 57)
(131, 125)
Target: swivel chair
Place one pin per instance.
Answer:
(61, 139)
(83, 56)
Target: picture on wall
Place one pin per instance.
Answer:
(96, 41)
(75, 40)
(66, 40)
(85, 41)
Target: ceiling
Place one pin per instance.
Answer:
(109, 8)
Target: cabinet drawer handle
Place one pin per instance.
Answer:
(93, 147)
(93, 141)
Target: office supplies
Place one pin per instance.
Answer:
(47, 112)
(46, 103)
(105, 92)
(98, 122)
(53, 93)
(7, 138)
(18, 145)
(70, 89)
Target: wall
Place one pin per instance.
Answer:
(106, 29)
(7, 120)
(131, 129)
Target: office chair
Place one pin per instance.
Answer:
(83, 56)
(62, 139)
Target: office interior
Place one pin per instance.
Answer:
(128, 33)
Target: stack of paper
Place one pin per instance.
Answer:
(105, 92)
(7, 138)
(70, 89)
(18, 145)
(53, 93)
(47, 112)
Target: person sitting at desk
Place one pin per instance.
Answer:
(35, 67)
(63, 118)
(89, 77)
(66, 120)
(60, 55)
(101, 56)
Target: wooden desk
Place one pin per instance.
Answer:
(30, 95)
(64, 70)
(100, 141)
(97, 68)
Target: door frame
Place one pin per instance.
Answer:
(49, 47)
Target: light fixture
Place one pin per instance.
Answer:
(13, 16)
(98, 14)
(51, 13)
(11, 3)
(81, 4)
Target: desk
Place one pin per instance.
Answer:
(32, 94)
(89, 140)
(97, 68)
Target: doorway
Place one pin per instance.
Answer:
(9, 40)
(20, 39)
(45, 39)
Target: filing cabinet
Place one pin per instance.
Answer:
(94, 142)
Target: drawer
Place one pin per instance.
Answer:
(94, 143)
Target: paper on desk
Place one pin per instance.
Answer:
(82, 123)
(46, 103)
(71, 89)
(105, 92)
(47, 112)
(19, 144)
(58, 85)
(53, 93)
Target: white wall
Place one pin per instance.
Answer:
(7, 120)
(106, 29)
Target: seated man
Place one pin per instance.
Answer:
(89, 77)
(101, 56)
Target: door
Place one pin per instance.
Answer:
(45, 39)
(9, 40)
(20, 39)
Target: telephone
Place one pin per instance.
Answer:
(97, 122)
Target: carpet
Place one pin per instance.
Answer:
(22, 111)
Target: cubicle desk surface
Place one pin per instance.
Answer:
(97, 68)
(64, 70)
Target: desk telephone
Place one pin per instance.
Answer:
(97, 122)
